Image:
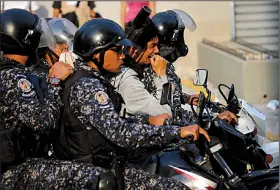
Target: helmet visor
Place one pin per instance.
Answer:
(47, 38)
(185, 20)
(63, 30)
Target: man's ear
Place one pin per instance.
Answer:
(136, 52)
(96, 56)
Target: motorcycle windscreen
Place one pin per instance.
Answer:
(246, 124)
(259, 117)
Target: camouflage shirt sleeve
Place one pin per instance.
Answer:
(138, 118)
(93, 107)
(188, 115)
(22, 106)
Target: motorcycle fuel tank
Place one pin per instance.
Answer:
(171, 164)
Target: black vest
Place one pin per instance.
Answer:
(15, 147)
(74, 142)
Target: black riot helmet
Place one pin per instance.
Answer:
(97, 36)
(167, 24)
(171, 25)
(21, 32)
(63, 31)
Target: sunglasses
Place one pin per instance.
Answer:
(117, 49)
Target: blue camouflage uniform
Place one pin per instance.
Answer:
(20, 103)
(148, 80)
(29, 111)
(41, 69)
(91, 104)
(63, 175)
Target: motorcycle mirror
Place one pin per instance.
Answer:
(231, 94)
(200, 78)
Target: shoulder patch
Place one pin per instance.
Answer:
(101, 97)
(24, 85)
(19, 76)
(26, 88)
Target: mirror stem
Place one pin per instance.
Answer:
(208, 92)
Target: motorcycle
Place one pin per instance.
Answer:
(231, 160)
(251, 121)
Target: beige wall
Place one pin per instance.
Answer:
(213, 21)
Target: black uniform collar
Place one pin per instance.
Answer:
(44, 64)
(84, 65)
(6, 60)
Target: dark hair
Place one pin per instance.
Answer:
(142, 35)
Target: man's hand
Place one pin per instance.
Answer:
(159, 65)
(188, 99)
(194, 130)
(230, 117)
(159, 119)
(60, 70)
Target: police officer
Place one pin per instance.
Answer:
(64, 32)
(171, 26)
(28, 106)
(171, 46)
(92, 130)
(23, 112)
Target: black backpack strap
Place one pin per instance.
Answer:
(59, 137)
(71, 81)
(4, 65)
(120, 160)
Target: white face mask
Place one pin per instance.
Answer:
(67, 58)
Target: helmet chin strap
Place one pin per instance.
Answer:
(100, 65)
(50, 53)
